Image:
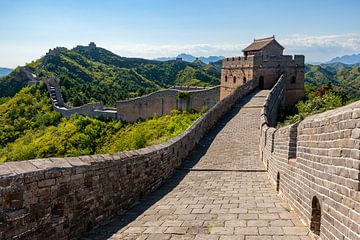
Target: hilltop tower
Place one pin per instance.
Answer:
(264, 61)
(92, 45)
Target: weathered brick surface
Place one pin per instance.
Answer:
(163, 101)
(58, 198)
(317, 157)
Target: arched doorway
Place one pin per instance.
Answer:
(261, 82)
(315, 216)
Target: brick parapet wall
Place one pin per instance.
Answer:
(59, 198)
(171, 92)
(319, 156)
(164, 101)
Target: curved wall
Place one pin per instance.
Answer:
(59, 198)
(164, 101)
(317, 157)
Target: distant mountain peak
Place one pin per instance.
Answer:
(347, 59)
(4, 71)
(190, 58)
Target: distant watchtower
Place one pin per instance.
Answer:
(92, 45)
(264, 61)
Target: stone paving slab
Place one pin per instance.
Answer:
(208, 205)
(222, 192)
(233, 144)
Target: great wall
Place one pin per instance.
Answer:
(231, 175)
(144, 107)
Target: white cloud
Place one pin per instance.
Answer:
(153, 51)
(322, 48)
(315, 48)
(346, 41)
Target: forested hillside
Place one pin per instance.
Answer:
(90, 74)
(327, 86)
(29, 128)
(342, 78)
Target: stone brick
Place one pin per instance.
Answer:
(46, 183)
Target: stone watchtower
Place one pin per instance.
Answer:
(264, 61)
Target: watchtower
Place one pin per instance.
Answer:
(264, 61)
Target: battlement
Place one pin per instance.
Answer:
(263, 61)
(238, 61)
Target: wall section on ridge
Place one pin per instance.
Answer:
(164, 101)
(317, 158)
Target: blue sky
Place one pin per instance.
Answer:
(319, 29)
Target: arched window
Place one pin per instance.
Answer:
(234, 79)
(244, 80)
(261, 82)
(315, 216)
(233, 59)
(278, 182)
(225, 78)
(293, 79)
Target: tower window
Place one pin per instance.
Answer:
(233, 59)
(225, 78)
(234, 79)
(293, 79)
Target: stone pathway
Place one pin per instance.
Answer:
(222, 192)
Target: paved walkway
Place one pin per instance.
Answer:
(222, 192)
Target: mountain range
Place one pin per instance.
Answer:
(4, 71)
(191, 58)
(347, 59)
(91, 74)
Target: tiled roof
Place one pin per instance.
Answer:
(259, 44)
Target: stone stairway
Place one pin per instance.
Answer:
(55, 92)
(221, 192)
